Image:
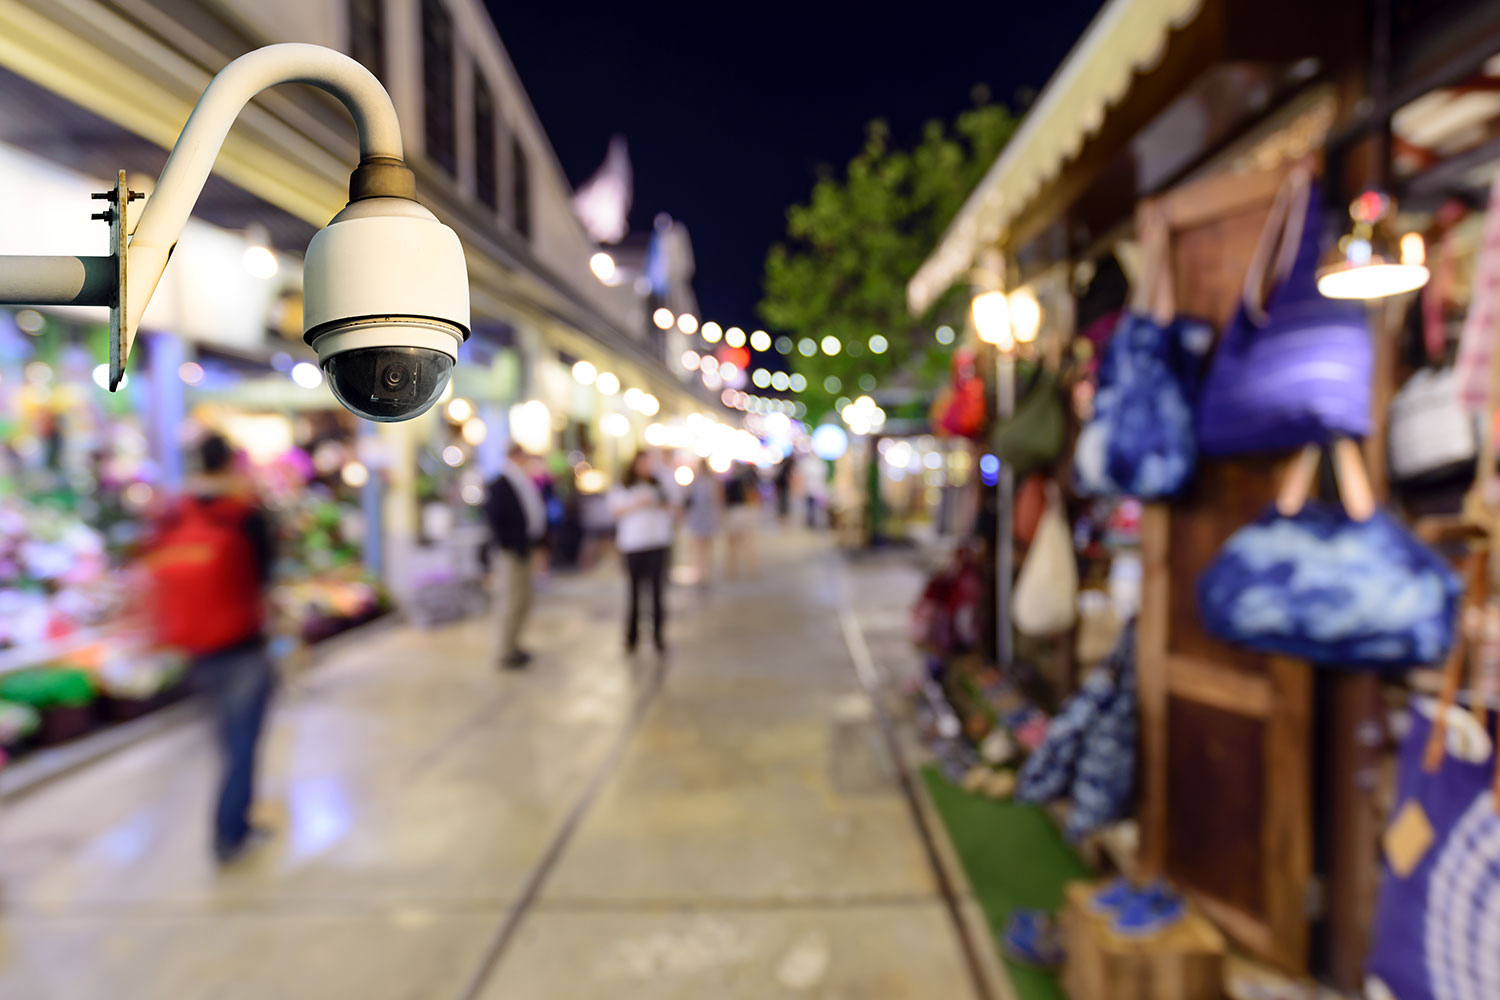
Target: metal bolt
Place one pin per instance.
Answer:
(135, 196)
(108, 215)
(102, 195)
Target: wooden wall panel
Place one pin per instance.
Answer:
(1225, 732)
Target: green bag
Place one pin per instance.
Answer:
(1032, 439)
(49, 687)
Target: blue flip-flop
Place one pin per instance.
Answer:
(1031, 937)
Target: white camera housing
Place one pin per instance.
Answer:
(385, 304)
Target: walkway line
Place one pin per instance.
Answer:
(506, 933)
(869, 679)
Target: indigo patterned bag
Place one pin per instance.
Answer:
(1307, 579)
(1104, 780)
(1298, 370)
(1140, 440)
(1437, 926)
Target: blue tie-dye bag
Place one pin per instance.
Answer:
(1322, 586)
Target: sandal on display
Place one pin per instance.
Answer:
(1031, 937)
(1148, 913)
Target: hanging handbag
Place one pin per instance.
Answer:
(1437, 931)
(1032, 439)
(962, 411)
(1140, 441)
(1045, 601)
(1296, 370)
(1104, 779)
(1030, 504)
(1432, 437)
(1343, 584)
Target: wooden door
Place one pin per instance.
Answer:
(1225, 732)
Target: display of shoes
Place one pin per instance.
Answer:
(1032, 937)
(1139, 911)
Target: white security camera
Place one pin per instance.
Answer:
(385, 287)
(385, 297)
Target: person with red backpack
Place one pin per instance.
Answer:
(210, 560)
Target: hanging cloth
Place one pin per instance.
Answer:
(1477, 341)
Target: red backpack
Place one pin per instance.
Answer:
(206, 593)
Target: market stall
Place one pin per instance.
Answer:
(1276, 485)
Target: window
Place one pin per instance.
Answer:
(520, 190)
(486, 184)
(367, 34)
(437, 84)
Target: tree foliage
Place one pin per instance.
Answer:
(850, 250)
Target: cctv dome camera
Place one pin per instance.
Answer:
(385, 303)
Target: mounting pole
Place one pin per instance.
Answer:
(108, 281)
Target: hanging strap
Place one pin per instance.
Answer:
(1355, 492)
(1282, 234)
(1453, 670)
(1154, 293)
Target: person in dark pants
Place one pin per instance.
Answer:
(517, 515)
(644, 509)
(211, 559)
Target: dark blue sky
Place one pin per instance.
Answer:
(731, 108)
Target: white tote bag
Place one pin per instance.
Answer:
(1046, 598)
(1431, 433)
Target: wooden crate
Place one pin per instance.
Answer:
(1184, 962)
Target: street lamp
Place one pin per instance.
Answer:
(385, 285)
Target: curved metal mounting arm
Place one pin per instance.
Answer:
(193, 156)
(126, 280)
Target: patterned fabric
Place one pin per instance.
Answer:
(1048, 773)
(1437, 925)
(1105, 779)
(1477, 341)
(1327, 588)
(1300, 375)
(1141, 441)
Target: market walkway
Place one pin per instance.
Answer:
(728, 826)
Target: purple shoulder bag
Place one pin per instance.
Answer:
(1297, 370)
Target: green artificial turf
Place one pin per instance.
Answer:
(1014, 857)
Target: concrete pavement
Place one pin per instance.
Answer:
(727, 824)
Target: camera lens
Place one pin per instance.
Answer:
(394, 377)
(388, 383)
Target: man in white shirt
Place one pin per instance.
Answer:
(518, 521)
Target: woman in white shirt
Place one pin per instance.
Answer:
(644, 513)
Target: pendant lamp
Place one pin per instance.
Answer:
(1369, 262)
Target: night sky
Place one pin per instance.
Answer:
(730, 109)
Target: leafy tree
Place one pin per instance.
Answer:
(851, 249)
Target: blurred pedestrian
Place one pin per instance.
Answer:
(705, 509)
(813, 473)
(517, 515)
(784, 488)
(210, 560)
(741, 517)
(644, 511)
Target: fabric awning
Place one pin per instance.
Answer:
(1127, 38)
